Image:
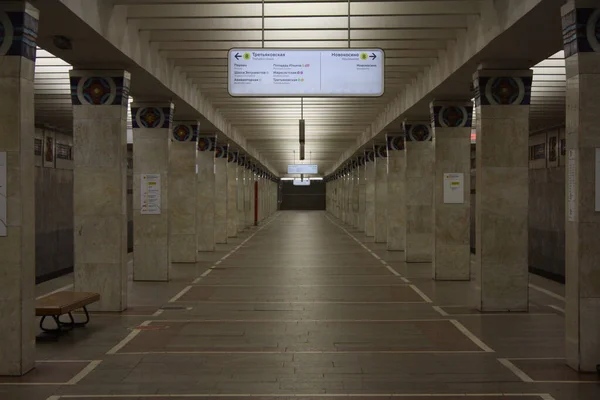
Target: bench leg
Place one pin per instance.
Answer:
(60, 327)
(72, 322)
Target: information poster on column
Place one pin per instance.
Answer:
(572, 186)
(150, 194)
(3, 194)
(454, 192)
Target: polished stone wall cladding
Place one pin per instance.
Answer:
(17, 263)
(152, 132)
(221, 193)
(370, 176)
(183, 192)
(583, 220)
(381, 187)
(452, 123)
(205, 198)
(100, 182)
(396, 193)
(502, 167)
(419, 192)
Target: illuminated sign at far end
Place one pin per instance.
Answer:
(300, 182)
(303, 169)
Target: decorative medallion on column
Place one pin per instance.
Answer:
(221, 151)
(417, 132)
(185, 132)
(503, 90)
(151, 117)
(581, 31)
(232, 157)
(395, 142)
(381, 151)
(452, 116)
(18, 34)
(99, 90)
(207, 143)
(369, 156)
(241, 159)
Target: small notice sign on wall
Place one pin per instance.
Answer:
(150, 194)
(454, 192)
(3, 194)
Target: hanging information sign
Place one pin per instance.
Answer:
(306, 73)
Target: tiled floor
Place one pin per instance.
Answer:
(305, 307)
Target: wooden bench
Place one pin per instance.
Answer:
(61, 303)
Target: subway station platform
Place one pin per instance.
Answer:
(304, 306)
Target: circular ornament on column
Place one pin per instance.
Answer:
(6, 33)
(150, 117)
(381, 151)
(593, 31)
(453, 117)
(370, 156)
(220, 152)
(419, 133)
(396, 143)
(505, 91)
(96, 91)
(205, 144)
(182, 133)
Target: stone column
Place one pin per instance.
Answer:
(348, 189)
(452, 123)
(380, 194)
(205, 199)
(17, 197)
(99, 185)
(183, 184)
(362, 193)
(152, 125)
(396, 195)
(418, 245)
(232, 193)
(370, 193)
(241, 189)
(355, 193)
(502, 173)
(582, 50)
(248, 211)
(221, 193)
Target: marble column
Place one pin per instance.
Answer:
(452, 123)
(17, 197)
(152, 130)
(380, 194)
(183, 184)
(370, 193)
(221, 193)
(232, 193)
(100, 185)
(249, 197)
(349, 189)
(502, 174)
(418, 245)
(582, 52)
(396, 195)
(241, 189)
(362, 193)
(355, 193)
(205, 199)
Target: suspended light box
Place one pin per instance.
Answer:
(306, 72)
(301, 182)
(303, 169)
